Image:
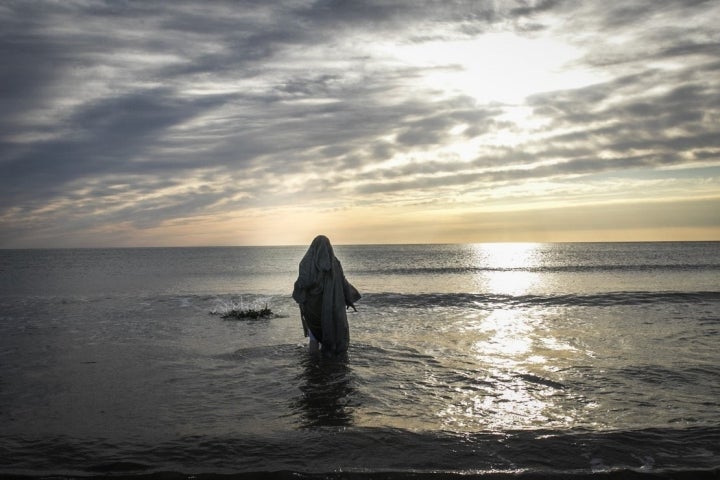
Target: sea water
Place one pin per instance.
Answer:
(584, 359)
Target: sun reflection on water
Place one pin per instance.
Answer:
(514, 385)
(506, 268)
(506, 338)
(507, 255)
(516, 351)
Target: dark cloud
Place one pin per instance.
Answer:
(112, 135)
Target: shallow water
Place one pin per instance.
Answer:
(555, 358)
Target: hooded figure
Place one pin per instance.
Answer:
(323, 294)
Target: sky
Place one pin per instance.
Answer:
(190, 123)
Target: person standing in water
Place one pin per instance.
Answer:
(324, 294)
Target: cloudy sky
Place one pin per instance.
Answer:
(249, 123)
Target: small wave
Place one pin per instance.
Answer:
(444, 270)
(117, 467)
(265, 352)
(689, 376)
(471, 300)
(364, 453)
(541, 381)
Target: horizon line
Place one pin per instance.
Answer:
(129, 247)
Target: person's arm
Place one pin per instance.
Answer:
(351, 294)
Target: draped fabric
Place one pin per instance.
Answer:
(323, 294)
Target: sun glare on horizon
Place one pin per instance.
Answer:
(504, 267)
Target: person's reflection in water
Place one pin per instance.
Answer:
(326, 393)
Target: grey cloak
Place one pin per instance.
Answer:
(323, 295)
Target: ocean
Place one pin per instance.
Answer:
(576, 360)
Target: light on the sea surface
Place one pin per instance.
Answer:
(506, 354)
(507, 255)
(506, 268)
(506, 337)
